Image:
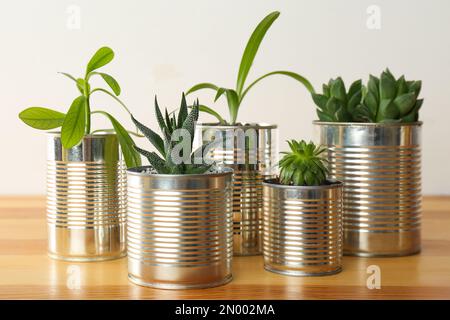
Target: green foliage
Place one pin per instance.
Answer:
(77, 122)
(303, 165)
(335, 103)
(383, 99)
(235, 96)
(170, 125)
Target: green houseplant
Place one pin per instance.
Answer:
(186, 201)
(373, 137)
(303, 215)
(248, 173)
(86, 178)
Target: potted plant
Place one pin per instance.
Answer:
(303, 215)
(253, 160)
(86, 179)
(179, 210)
(373, 137)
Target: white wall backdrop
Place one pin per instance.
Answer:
(163, 47)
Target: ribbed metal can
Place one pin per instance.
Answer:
(252, 161)
(380, 165)
(179, 229)
(86, 199)
(303, 228)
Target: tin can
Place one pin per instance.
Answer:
(380, 165)
(179, 229)
(251, 151)
(303, 228)
(86, 199)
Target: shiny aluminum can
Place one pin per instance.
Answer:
(252, 162)
(380, 165)
(86, 199)
(179, 229)
(303, 228)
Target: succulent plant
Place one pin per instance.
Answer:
(336, 104)
(303, 165)
(384, 99)
(390, 100)
(169, 124)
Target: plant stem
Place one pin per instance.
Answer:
(88, 106)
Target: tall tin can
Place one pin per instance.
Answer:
(303, 228)
(252, 159)
(179, 229)
(380, 165)
(86, 199)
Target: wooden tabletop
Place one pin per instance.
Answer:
(27, 273)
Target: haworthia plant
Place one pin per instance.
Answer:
(77, 121)
(303, 165)
(235, 96)
(383, 99)
(169, 124)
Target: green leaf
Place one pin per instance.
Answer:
(354, 88)
(388, 86)
(320, 100)
(337, 90)
(219, 93)
(112, 83)
(82, 85)
(155, 161)
(373, 85)
(405, 102)
(205, 109)
(293, 75)
(203, 85)
(130, 155)
(74, 124)
(324, 116)
(252, 48)
(152, 136)
(371, 102)
(73, 79)
(42, 118)
(354, 101)
(102, 57)
(388, 110)
(183, 113)
(233, 104)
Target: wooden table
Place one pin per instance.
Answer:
(27, 273)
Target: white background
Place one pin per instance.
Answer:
(164, 47)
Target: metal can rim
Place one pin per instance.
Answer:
(223, 171)
(368, 124)
(250, 125)
(333, 184)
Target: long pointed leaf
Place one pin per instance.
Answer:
(233, 104)
(252, 48)
(293, 75)
(151, 135)
(205, 109)
(73, 127)
(130, 155)
(203, 85)
(155, 161)
(112, 83)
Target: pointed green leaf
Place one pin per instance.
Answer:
(155, 161)
(405, 102)
(42, 118)
(320, 100)
(112, 83)
(130, 155)
(73, 127)
(152, 136)
(233, 104)
(252, 48)
(388, 86)
(203, 108)
(337, 90)
(203, 85)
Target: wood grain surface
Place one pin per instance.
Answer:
(27, 272)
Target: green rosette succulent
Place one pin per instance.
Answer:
(303, 165)
(169, 124)
(384, 99)
(390, 100)
(336, 104)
